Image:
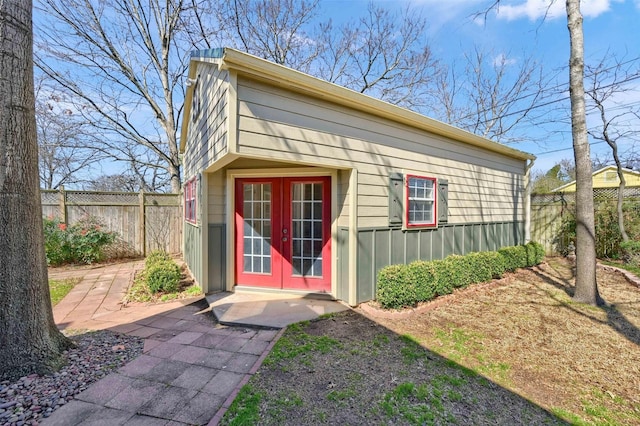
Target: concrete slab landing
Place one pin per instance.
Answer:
(268, 310)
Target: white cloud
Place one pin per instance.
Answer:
(502, 59)
(551, 9)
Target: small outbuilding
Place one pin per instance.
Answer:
(294, 184)
(606, 177)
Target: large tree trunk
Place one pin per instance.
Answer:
(586, 285)
(29, 339)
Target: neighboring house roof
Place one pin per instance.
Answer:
(606, 177)
(278, 75)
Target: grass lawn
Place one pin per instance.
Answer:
(59, 289)
(516, 352)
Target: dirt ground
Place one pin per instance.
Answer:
(559, 354)
(517, 351)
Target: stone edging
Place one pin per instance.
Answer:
(631, 278)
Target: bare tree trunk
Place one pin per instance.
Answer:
(616, 158)
(623, 183)
(29, 339)
(586, 284)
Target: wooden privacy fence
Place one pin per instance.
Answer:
(549, 210)
(143, 221)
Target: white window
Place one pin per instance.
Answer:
(421, 201)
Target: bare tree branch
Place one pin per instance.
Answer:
(123, 61)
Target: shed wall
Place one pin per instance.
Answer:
(193, 250)
(277, 124)
(207, 134)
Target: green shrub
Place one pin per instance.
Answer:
(608, 236)
(163, 276)
(535, 253)
(514, 257)
(631, 252)
(442, 285)
(424, 276)
(402, 286)
(82, 242)
(56, 246)
(486, 265)
(395, 287)
(155, 257)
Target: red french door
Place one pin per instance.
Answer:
(283, 233)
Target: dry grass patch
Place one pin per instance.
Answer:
(581, 362)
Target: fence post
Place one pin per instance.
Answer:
(63, 204)
(143, 232)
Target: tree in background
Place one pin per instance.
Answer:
(29, 341)
(65, 142)
(382, 54)
(277, 30)
(493, 95)
(605, 83)
(123, 64)
(544, 183)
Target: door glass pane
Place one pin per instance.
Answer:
(257, 228)
(306, 230)
(296, 210)
(317, 267)
(297, 266)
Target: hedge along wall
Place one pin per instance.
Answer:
(402, 286)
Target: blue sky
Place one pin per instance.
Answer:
(518, 30)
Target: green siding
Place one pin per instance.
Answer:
(193, 250)
(365, 267)
(342, 286)
(378, 248)
(217, 257)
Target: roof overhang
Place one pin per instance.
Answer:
(281, 76)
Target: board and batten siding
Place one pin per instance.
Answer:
(277, 124)
(193, 250)
(208, 133)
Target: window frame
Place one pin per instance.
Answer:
(408, 200)
(190, 201)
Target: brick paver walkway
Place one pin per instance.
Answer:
(190, 370)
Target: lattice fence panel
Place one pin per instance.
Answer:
(102, 198)
(49, 197)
